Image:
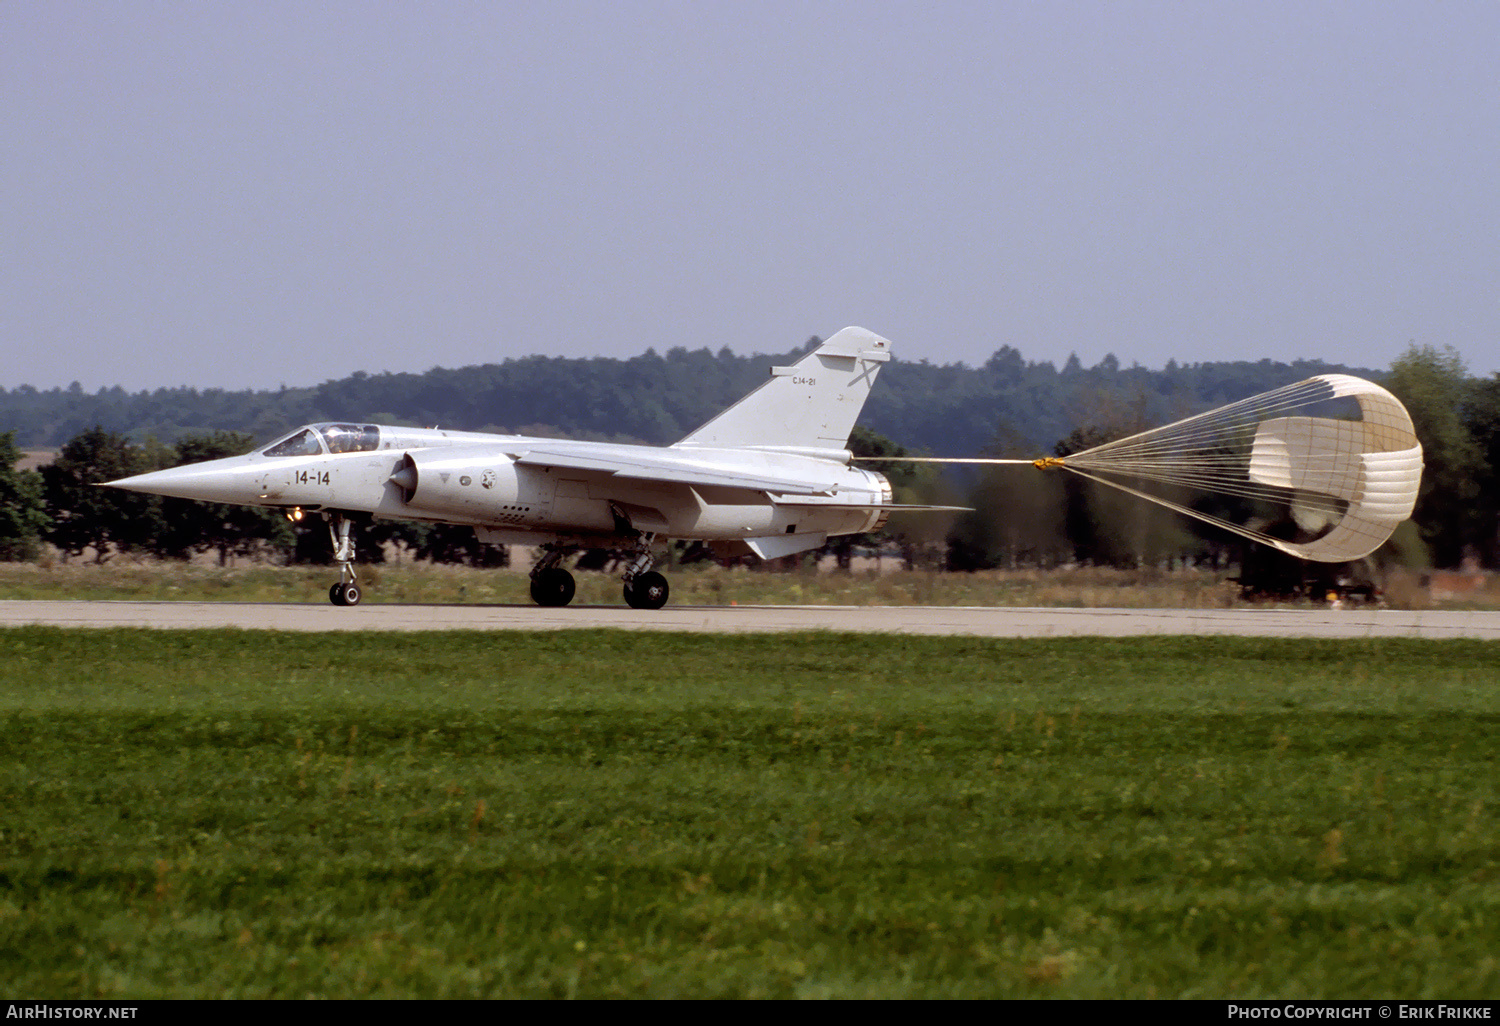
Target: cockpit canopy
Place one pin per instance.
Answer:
(316, 439)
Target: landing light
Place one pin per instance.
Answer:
(294, 514)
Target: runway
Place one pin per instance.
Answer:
(976, 621)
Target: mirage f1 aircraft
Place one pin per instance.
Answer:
(771, 472)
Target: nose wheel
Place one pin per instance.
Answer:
(344, 594)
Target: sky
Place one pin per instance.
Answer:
(262, 194)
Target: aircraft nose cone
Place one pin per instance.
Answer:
(203, 481)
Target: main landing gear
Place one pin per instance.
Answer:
(644, 587)
(647, 591)
(551, 585)
(346, 591)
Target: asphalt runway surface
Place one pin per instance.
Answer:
(978, 621)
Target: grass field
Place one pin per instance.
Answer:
(1079, 587)
(601, 814)
(153, 580)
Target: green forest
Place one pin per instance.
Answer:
(1009, 406)
(943, 409)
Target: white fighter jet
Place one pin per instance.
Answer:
(772, 472)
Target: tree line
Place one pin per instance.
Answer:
(942, 409)
(1003, 408)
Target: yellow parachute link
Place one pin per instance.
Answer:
(1047, 461)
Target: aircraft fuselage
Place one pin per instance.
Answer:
(522, 490)
(771, 471)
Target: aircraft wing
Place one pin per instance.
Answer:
(659, 466)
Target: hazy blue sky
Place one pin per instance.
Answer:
(254, 194)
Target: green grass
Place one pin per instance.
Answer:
(598, 814)
(126, 578)
(150, 580)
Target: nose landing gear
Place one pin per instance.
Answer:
(346, 591)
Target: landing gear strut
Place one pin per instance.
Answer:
(644, 587)
(346, 591)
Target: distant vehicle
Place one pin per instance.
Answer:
(772, 473)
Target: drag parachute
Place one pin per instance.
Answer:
(1332, 461)
(1346, 481)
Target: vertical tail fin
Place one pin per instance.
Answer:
(812, 404)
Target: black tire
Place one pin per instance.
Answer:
(552, 587)
(336, 595)
(648, 591)
(351, 594)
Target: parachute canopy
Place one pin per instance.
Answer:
(1330, 465)
(1345, 478)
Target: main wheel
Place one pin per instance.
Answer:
(552, 587)
(648, 591)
